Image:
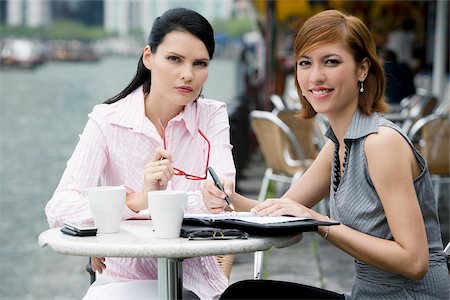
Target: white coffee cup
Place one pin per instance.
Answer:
(107, 204)
(167, 211)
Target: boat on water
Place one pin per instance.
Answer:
(21, 54)
(71, 50)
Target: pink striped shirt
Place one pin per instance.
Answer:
(117, 142)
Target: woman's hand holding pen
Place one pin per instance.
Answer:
(214, 198)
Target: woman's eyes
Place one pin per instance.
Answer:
(196, 63)
(303, 63)
(332, 62)
(174, 58)
(201, 64)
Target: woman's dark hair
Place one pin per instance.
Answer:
(177, 19)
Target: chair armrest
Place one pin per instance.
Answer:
(397, 117)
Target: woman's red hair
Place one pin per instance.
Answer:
(331, 26)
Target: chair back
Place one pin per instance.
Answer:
(277, 102)
(419, 106)
(435, 145)
(306, 131)
(422, 105)
(432, 135)
(277, 143)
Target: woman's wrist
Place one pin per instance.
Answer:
(137, 201)
(324, 231)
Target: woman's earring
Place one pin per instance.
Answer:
(361, 89)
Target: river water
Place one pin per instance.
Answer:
(42, 112)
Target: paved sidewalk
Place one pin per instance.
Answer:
(312, 261)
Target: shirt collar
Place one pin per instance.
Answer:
(130, 113)
(361, 125)
(188, 117)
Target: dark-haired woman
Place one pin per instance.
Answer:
(153, 135)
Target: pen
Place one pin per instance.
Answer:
(219, 185)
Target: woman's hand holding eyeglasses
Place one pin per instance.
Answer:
(214, 198)
(157, 174)
(158, 171)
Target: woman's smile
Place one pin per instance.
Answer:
(321, 91)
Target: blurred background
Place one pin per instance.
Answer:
(60, 58)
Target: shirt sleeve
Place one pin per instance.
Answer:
(218, 131)
(83, 170)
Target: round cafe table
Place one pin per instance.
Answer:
(136, 238)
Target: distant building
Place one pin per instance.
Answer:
(121, 16)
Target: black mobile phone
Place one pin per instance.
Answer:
(79, 227)
(69, 231)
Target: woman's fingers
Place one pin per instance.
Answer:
(228, 187)
(161, 154)
(161, 170)
(98, 264)
(158, 171)
(213, 197)
(280, 207)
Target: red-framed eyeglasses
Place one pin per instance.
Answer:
(179, 172)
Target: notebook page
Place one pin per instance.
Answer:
(244, 216)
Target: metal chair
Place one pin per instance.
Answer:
(447, 250)
(284, 158)
(415, 107)
(307, 132)
(310, 137)
(277, 102)
(431, 135)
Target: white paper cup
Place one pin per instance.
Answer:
(107, 204)
(167, 211)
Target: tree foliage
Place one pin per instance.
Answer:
(233, 27)
(63, 30)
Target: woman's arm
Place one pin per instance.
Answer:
(314, 184)
(309, 190)
(82, 171)
(218, 133)
(392, 168)
(312, 187)
(221, 157)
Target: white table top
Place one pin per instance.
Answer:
(137, 239)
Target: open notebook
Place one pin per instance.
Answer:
(243, 216)
(254, 224)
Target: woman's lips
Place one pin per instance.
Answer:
(184, 89)
(320, 92)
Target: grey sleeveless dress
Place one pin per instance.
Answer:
(355, 203)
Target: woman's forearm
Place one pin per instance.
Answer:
(242, 203)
